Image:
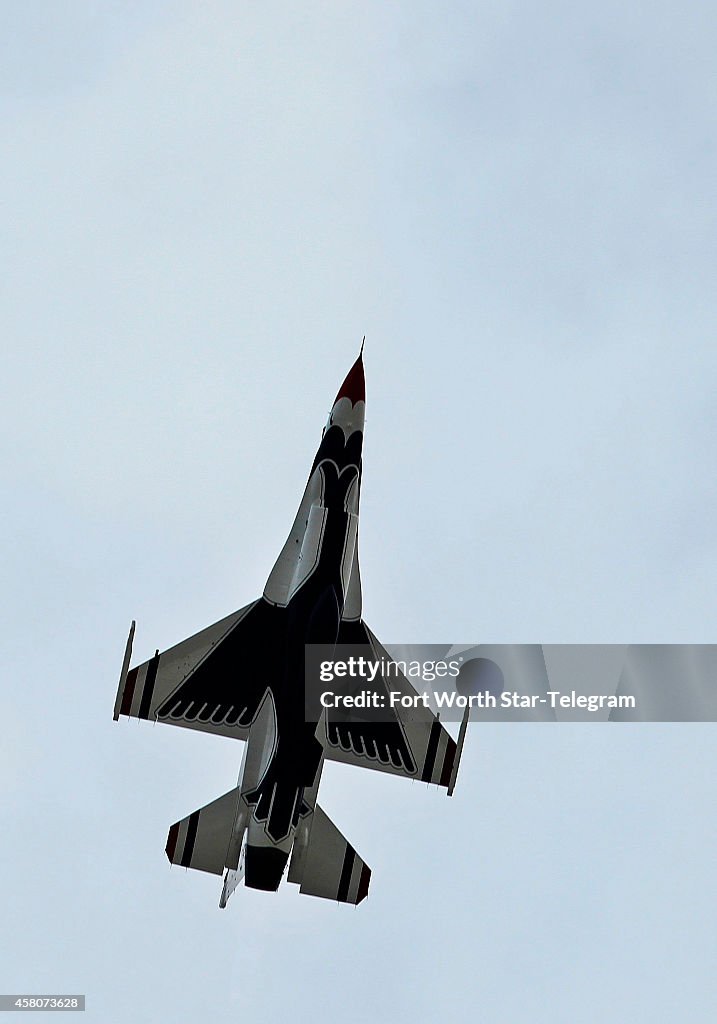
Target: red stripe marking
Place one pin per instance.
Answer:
(128, 692)
(172, 841)
(363, 883)
(448, 760)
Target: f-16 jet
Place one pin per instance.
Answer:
(245, 677)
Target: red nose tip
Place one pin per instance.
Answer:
(354, 387)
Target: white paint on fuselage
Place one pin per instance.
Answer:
(347, 416)
(289, 573)
(310, 549)
(260, 746)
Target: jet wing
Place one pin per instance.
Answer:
(411, 743)
(214, 681)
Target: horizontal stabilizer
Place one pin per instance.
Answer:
(325, 864)
(202, 839)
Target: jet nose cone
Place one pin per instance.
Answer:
(354, 387)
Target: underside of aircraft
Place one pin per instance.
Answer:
(245, 677)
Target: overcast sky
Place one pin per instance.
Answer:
(205, 207)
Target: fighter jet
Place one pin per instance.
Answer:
(245, 677)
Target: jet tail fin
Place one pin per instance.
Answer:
(231, 881)
(324, 864)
